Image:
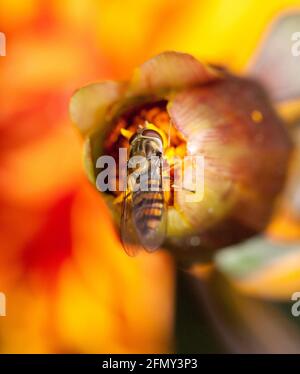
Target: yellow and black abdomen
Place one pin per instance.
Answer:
(148, 207)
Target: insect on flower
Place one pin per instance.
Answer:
(144, 210)
(202, 110)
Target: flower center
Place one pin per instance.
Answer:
(126, 126)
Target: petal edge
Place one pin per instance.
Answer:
(170, 70)
(90, 104)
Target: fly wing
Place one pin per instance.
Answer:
(130, 240)
(277, 62)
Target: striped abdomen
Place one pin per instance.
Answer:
(148, 208)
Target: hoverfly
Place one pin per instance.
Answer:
(144, 208)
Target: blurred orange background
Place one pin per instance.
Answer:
(69, 285)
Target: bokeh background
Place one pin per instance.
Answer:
(70, 287)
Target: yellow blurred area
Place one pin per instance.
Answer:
(222, 31)
(52, 174)
(69, 285)
(285, 227)
(115, 290)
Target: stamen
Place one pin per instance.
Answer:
(126, 133)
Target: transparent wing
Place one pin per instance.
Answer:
(130, 240)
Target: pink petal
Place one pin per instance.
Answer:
(245, 154)
(170, 70)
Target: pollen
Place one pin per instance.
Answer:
(126, 133)
(257, 116)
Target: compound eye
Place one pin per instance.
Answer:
(152, 133)
(134, 136)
